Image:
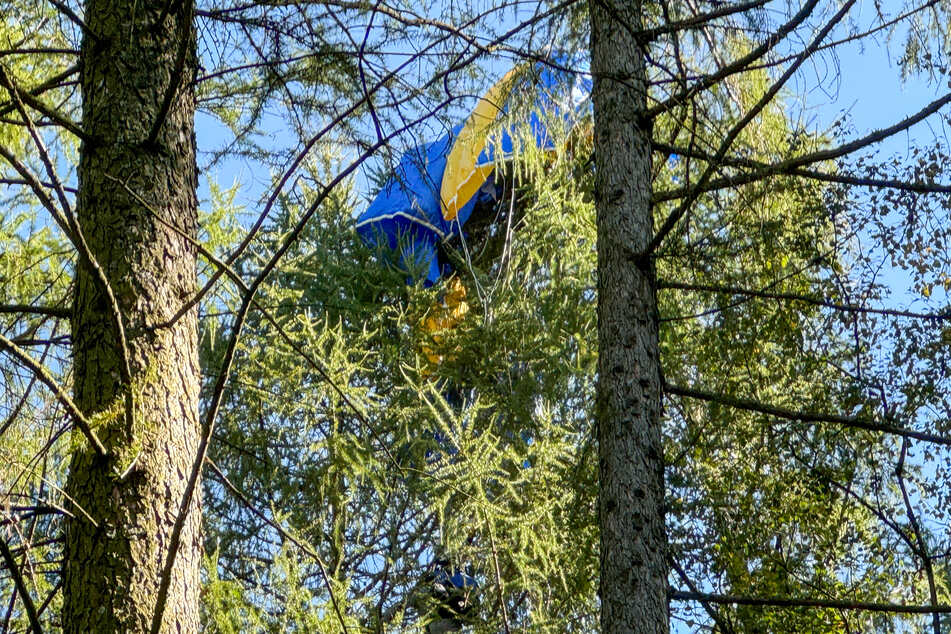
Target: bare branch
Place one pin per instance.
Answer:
(806, 299)
(75, 19)
(81, 421)
(807, 417)
(783, 602)
(921, 548)
(20, 585)
(845, 179)
(24, 182)
(38, 190)
(787, 166)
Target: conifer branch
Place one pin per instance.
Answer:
(737, 66)
(37, 104)
(699, 20)
(283, 533)
(805, 602)
(731, 136)
(789, 165)
(807, 417)
(53, 82)
(75, 234)
(500, 584)
(481, 48)
(806, 299)
(30, 309)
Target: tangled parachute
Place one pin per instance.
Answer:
(435, 186)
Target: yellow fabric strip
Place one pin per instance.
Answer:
(463, 177)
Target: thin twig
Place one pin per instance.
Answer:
(284, 533)
(81, 421)
(794, 602)
(807, 417)
(21, 586)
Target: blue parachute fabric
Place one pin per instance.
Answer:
(559, 93)
(562, 94)
(406, 215)
(458, 579)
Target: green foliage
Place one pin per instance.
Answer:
(374, 462)
(36, 266)
(487, 459)
(26, 27)
(475, 459)
(760, 506)
(34, 270)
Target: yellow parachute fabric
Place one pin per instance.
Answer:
(443, 317)
(464, 175)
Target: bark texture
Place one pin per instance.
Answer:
(633, 584)
(115, 547)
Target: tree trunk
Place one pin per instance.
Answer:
(144, 399)
(633, 568)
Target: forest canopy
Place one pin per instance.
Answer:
(680, 366)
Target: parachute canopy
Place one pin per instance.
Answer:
(435, 187)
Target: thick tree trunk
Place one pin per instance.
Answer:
(115, 546)
(633, 543)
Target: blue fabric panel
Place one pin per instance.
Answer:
(406, 215)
